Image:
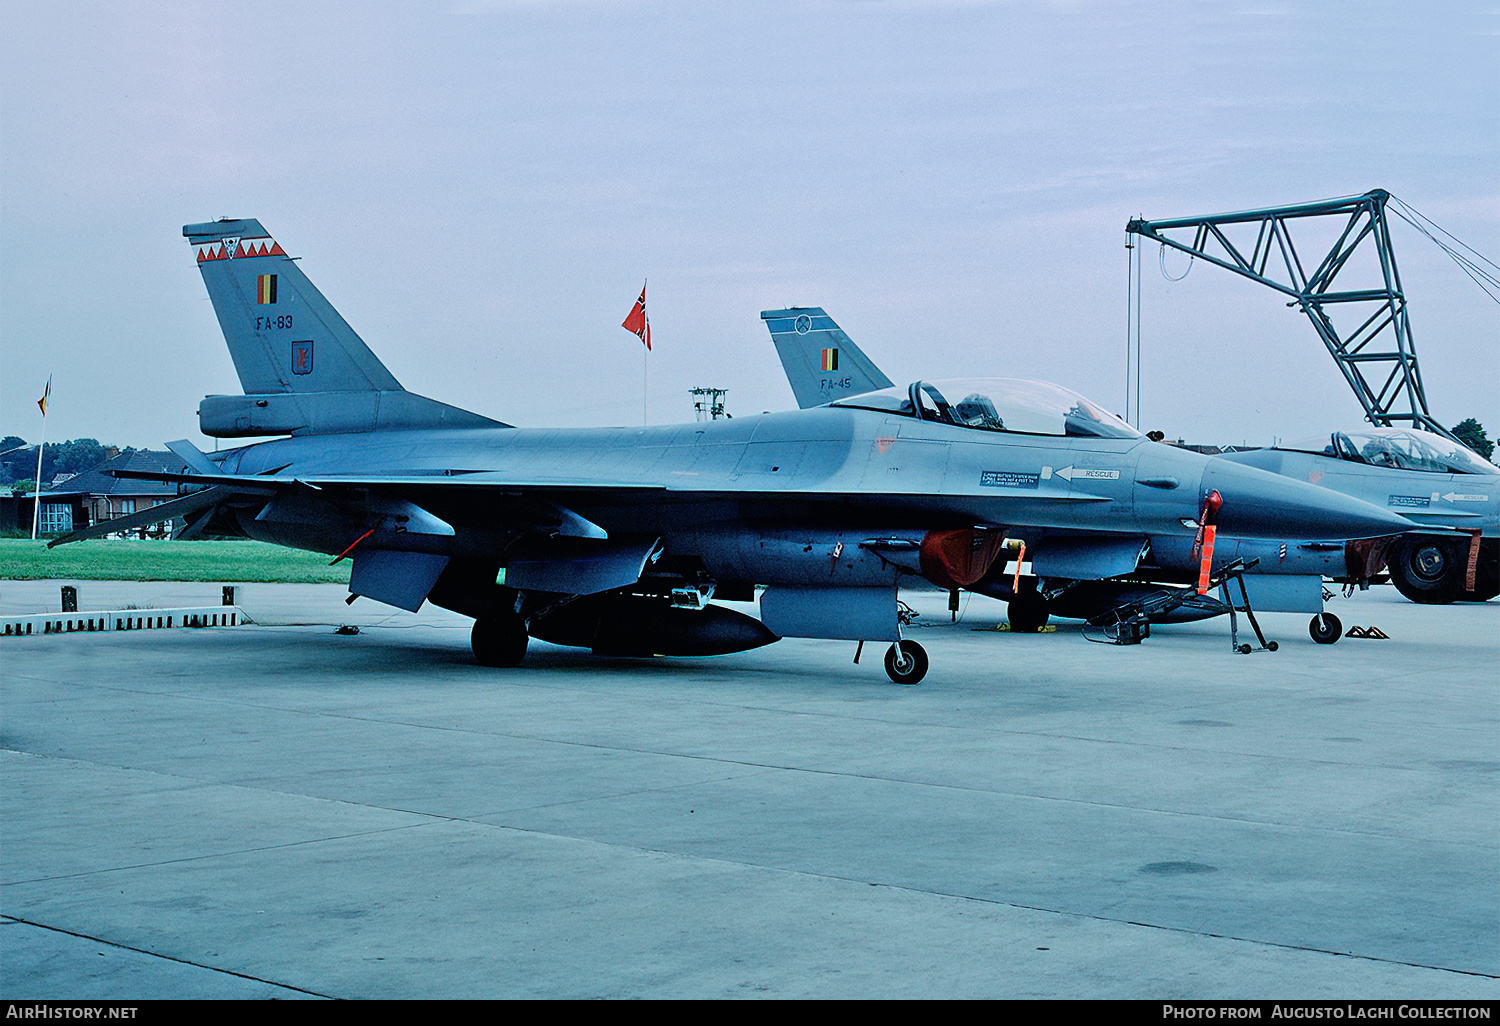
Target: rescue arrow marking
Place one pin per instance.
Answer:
(1455, 497)
(1069, 473)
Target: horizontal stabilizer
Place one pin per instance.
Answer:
(245, 484)
(185, 506)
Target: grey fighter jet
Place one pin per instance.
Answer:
(616, 539)
(1431, 481)
(1424, 477)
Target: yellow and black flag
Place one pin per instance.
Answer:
(46, 393)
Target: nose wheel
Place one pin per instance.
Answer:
(906, 662)
(1325, 629)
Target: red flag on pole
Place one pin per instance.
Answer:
(636, 321)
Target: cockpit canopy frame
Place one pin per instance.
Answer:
(1397, 449)
(1011, 405)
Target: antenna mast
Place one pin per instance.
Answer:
(708, 403)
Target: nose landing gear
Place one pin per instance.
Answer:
(1325, 628)
(906, 662)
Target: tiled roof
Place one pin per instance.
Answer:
(98, 482)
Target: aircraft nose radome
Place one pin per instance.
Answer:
(1261, 504)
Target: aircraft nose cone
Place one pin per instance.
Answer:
(1260, 504)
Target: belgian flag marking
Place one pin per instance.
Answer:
(830, 359)
(265, 288)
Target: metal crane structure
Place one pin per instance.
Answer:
(1378, 357)
(709, 403)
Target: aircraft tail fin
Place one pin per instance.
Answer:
(283, 335)
(820, 361)
(306, 369)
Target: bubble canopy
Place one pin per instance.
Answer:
(1399, 448)
(1013, 405)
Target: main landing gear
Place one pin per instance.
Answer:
(499, 640)
(1434, 571)
(1426, 569)
(1027, 610)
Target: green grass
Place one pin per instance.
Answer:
(228, 561)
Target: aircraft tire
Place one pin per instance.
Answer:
(1428, 570)
(499, 641)
(1027, 613)
(910, 667)
(1325, 629)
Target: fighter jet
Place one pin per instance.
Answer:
(617, 539)
(1428, 479)
(1086, 578)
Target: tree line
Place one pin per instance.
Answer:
(18, 459)
(1471, 433)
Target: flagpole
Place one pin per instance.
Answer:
(638, 323)
(36, 490)
(645, 355)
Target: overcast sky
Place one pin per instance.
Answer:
(481, 188)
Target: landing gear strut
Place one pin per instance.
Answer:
(499, 640)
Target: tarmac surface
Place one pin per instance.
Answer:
(281, 811)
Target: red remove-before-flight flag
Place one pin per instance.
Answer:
(636, 322)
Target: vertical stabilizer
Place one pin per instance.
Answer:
(303, 369)
(820, 361)
(283, 335)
